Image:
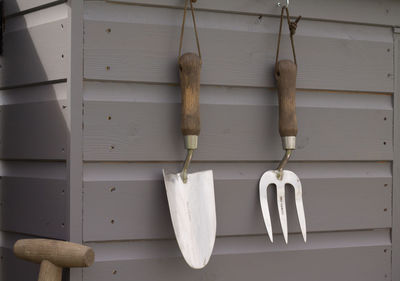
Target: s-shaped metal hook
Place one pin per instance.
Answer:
(284, 5)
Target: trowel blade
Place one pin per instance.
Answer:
(192, 209)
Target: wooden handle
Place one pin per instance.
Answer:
(59, 253)
(49, 272)
(189, 72)
(285, 75)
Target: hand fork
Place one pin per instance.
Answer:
(285, 74)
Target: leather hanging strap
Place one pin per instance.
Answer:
(194, 24)
(292, 27)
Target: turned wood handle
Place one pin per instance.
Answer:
(285, 75)
(49, 272)
(189, 72)
(60, 253)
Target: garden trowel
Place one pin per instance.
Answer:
(191, 196)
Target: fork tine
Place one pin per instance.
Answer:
(280, 193)
(300, 210)
(295, 182)
(265, 209)
(302, 218)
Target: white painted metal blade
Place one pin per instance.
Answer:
(264, 183)
(292, 179)
(192, 208)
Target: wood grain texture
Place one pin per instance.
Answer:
(61, 253)
(49, 272)
(128, 201)
(33, 206)
(30, 57)
(237, 123)
(372, 12)
(238, 50)
(355, 256)
(189, 73)
(33, 130)
(285, 75)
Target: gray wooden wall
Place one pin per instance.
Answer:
(34, 133)
(87, 149)
(345, 145)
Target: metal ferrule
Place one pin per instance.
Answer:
(289, 143)
(191, 142)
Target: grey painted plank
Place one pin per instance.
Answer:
(33, 206)
(33, 130)
(13, 269)
(75, 123)
(75, 103)
(396, 164)
(371, 11)
(123, 206)
(237, 124)
(34, 169)
(330, 257)
(18, 6)
(40, 93)
(30, 56)
(238, 50)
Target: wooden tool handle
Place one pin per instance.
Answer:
(49, 272)
(59, 253)
(285, 75)
(189, 72)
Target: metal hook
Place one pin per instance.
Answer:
(282, 6)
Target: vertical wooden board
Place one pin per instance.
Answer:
(18, 6)
(33, 206)
(75, 127)
(33, 130)
(396, 162)
(13, 269)
(232, 55)
(30, 56)
(233, 132)
(374, 12)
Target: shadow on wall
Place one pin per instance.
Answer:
(33, 112)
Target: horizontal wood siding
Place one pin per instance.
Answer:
(33, 137)
(329, 256)
(237, 124)
(12, 7)
(33, 198)
(12, 268)
(128, 201)
(131, 132)
(27, 204)
(359, 11)
(34, 47)
(238, 50)
(33, 123)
